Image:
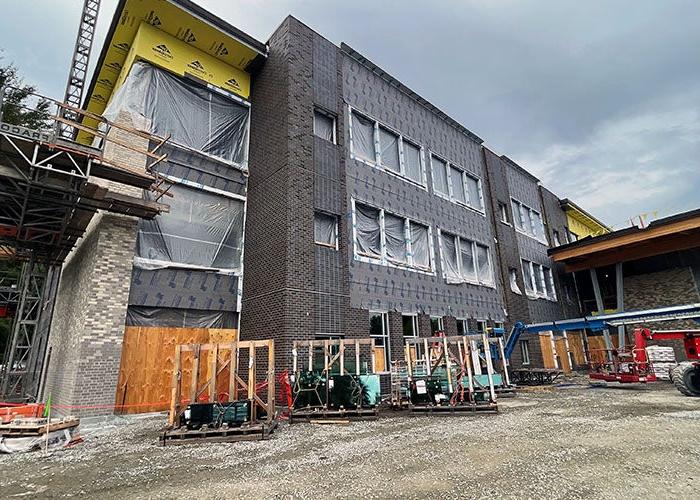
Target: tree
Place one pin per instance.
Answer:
(19, 107)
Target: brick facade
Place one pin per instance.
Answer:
(88, 324)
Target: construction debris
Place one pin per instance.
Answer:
(33, 433)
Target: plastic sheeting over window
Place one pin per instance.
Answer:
(449, 256)
(324, 126)
(420, 245)
(390, 149)
(368, 231)
(194, 116)
(325, 229)
(458, 191)
(467, 251)
(363, 138)
(395, 238)
(411, 158)
(439, 175)
(483, 264)
(202, 230)
(474, 193)
(180, 318)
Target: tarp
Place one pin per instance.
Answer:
(202, 230)
(390, 149)
(363, 137)
(411, 159)
(449, 252)
(420, 245)
(194, 116)
(395, 238)
(180, 318)
(368, 230)
(324, 228)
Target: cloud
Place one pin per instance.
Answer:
(598, 98)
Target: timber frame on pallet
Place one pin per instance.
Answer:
(238, 388)
(330, 359)
(460, 352)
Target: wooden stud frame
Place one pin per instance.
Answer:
(235, 383)
(465, 346)
(330, 359)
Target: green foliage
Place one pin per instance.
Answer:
(19, 107)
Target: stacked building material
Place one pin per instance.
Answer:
(662, 358)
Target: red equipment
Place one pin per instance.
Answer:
(631, 364)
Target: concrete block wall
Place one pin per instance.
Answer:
(88, 326)
(668, 287)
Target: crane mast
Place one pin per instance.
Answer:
(79, 63)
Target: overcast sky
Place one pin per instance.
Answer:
(600, 98)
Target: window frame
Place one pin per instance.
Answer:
(503, 213)
(385, 335)
(524, 353)
(513, 280)
(537, 272)
(449, 196)
(334, 124)
(323, 244)
(384, 260)
(377, 163)
(520, 226)
(482, 323)
(491, 283)
(440, 322)
(465, 326)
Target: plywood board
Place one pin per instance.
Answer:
(562, 354)
(547, 353)
(596, 349)
(577, 348)
(148, 354)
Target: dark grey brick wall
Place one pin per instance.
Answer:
(385, 288)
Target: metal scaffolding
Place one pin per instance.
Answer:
(47, 199)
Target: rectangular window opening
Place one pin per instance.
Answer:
(324, 125)
(379, 331)
(326, 230)
(525, 352)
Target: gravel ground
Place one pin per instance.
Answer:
(571, 442)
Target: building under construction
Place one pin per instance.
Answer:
(216, 186)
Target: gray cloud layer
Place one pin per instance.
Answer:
(598, 98)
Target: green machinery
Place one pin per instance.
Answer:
(450, 374)
(335, 380)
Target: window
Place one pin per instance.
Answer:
(410, 331)
(368, 231)
(363, 145)
(539, 281)
(389, 143)
(455, 184)
(386, 149)
(480, 326)
(513, 278)
(465, 261)
(557, 240)
(390, 239)
(326, 230)
(525, 352)
(324, 126)
(572, 236)
(439, 176)
(503, 212)
(528, 221)
(202, 230)
(462, 327)
(379, 331)
(436, 325)
(410, 325)
(499, 325)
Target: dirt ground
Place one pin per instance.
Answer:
(571, 442)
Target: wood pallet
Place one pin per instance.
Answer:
(253, 432)
(341, 416)
(459, 409)
(36, 427)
